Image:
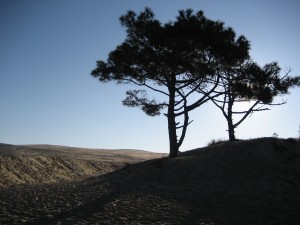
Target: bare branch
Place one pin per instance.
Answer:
(246, 114)
(206, 97)
(253, 110)
(184, 125)
(146, 85)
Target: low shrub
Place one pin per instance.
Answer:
(216, 141)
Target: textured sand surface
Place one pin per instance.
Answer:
(46, 164)
(255, 182)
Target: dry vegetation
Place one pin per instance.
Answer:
(242, 183)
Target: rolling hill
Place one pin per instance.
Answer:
(33, 164)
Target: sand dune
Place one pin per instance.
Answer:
(103, 155)
(242, 183)
(34, 164)
(43, 169)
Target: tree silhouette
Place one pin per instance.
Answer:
(174, 60)
(248, 82)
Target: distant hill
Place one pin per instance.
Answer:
(250, 182)
(30, 164)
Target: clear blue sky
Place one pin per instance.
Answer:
(48, 49)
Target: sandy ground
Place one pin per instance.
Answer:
(255, 182)
(43, 169)
(36, 164)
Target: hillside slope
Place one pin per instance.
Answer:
(43, 169)
(33, 164)
(103, 155)
(243, 183)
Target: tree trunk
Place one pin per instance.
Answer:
(172, 122)
(230, 130)
(229, 120)
(172, 137)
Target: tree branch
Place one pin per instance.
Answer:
(246, 114)
(185, 125)
(253, 110)
(146, 85)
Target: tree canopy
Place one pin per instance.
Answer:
(173, 59)
(188, 62)
(251, 83)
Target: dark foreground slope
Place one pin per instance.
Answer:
(254, 182)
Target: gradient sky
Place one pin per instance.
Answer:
(49, 47)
